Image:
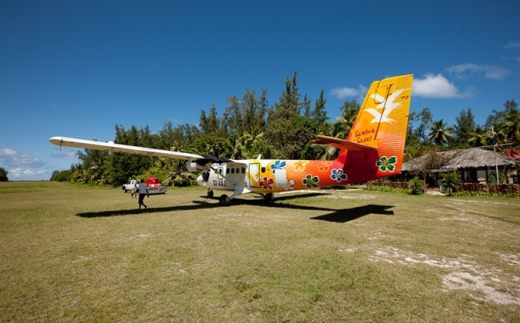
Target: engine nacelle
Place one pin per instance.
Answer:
(193, 166)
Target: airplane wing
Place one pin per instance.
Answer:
(202, 160)
(340, 143)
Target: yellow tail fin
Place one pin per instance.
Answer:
(383, 120)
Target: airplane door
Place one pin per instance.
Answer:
(254, 175)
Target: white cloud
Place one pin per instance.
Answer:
(25, 172)
(21, 165)
(344, 92)
(7, 151)
(513, 45)
(490, 72)
(437, 86)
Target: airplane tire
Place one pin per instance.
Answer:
(269, 197)
(210, 193)
(224, 200)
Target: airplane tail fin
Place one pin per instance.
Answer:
(381, 124)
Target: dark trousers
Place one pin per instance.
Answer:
(141, 198)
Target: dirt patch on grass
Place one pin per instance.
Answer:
(347, 196)
(488, 284)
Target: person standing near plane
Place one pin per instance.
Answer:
(143, 190)
(134, 190)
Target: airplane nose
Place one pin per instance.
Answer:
(200, 181)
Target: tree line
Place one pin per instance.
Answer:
(250, 126)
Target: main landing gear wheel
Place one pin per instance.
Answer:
(224, 200)
(269, 197)
(210, 193)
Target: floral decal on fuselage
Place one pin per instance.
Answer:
(386, 164)
(278, 165)
(267, 183)
(323, 166)
(299, 166)
(311, 181)
(290, 185)
(338, 175)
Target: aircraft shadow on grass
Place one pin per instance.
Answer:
(335, 215)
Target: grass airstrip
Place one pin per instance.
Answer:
(81, 254)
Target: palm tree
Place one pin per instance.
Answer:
(510, 126)
(235, 147)
(180, 178)
(480, 137)
(252, 142)
(440, 132)
(416, 185)
(413, 151)
(452, 180)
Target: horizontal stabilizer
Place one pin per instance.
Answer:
(340, 143)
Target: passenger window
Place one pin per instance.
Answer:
(232, 170)
(263, 169)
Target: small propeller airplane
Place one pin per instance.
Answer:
(373, 149)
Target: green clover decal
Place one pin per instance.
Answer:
(386, 164)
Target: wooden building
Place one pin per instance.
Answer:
(475, 165)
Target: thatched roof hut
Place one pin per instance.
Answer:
(461, 159)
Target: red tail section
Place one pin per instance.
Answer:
(375, 145)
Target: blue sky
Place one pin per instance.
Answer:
(78, 68)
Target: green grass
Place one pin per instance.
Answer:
(82, 254)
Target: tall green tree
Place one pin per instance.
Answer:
(306, 104)
(350, 111)
(95, 167)
(290, 138)
(464, 126)
(3, 175)
(418, 135)
(126, 166)
(319, 114)
(496, 116)
(510, 126)
(244, 115)
(231, 121)
(289, 104)
(208, 145)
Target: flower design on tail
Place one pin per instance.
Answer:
(386, 164)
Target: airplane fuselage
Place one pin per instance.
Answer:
(271, 176)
